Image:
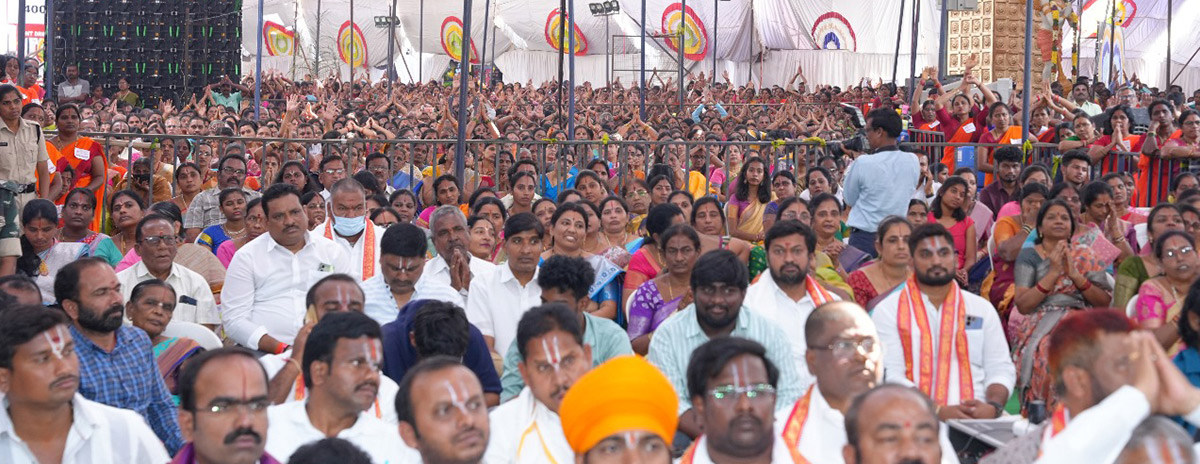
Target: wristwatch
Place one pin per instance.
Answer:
(999, 408)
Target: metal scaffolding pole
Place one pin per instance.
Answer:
(464, 83)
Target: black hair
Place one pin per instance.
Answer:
(324, 337)
(821, 199)
(481, 202)
(522, 222)
(659, 178)
(928, 230)
(308, 186)
(1108, 125)
(609, 199)
(141, 202)
(87, 193)
(224, 195)
(541, 320)
(17, 282)
(679, 229)
(403, 192)
(1046, 209)
(886, 225)
(186, 383)
(562, 196)
(565, 273)
(227, 158)
(563, 208)
(935, 207)
(446, 178)
(404, 240)
(1178, 179)
(374, 215)
(719, 266)
(1007, 154)
(516, 176)
(20, 324)
(276, 191)
(1061, 187)
(1093, 190)
(479, 192)
(310, 298)
(788, 228)
(824, 172)
(786, 174)
(1185, 113)
(1159, 248)
(138, 235)
(330, 159)
(368, 182)
(1033, 188)
(1077, 154)
(66, 282)
(708, 360)
(404, 402)
(705, 200)
(659, 218)
(786, 203)
(328, 450)
(684, 193)
(440, 328)
(375, 156)
(887, 120)
(1191, 305)
(144, 285)
(742, 193)
(6, 89)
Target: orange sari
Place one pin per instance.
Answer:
(965, 132)
(84, 152)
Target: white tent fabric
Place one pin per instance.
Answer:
(836, 41)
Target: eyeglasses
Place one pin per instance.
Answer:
(236, 172)
(760, 392)
(167, 239)
(847, 348)
(334, 171)
(378, 169)
(167, 306)
(638, 193)
(255, 406)
(1173, 254)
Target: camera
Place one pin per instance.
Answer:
(857, 143)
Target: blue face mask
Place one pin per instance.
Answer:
(347, 227)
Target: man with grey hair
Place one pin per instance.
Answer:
(453, 264)
(348, 226)
(1158, 440)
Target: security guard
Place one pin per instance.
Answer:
(22, 156)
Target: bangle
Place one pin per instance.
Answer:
(1040, 289)
(1086, 285)
(1027, 229)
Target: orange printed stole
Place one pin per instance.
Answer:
(952, 342)
(815, 291)
(368, 263)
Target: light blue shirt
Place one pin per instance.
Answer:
(678, 336)
(607, 339)
(879, 185)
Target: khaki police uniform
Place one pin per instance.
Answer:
(20, 153)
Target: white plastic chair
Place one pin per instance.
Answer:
(1142, 237)
(1131, 307)
(201, 334)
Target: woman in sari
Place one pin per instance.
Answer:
(637, 196)
(948, 209)
(783, 185)
(1003, 132)
(314, 208)
(890, 270)
(187, 183)
(127, 210)
(1052, 278)
(1160, 300)
(404, 201)
(150, 308)
(708, 220)
(591, 186)
(482, 237)
(42, 255)
(77, 213)
(826, 213)
(1117, 139)
(1121, 199)
(544, 210)
(446, 192)
(1011, 233)
(646, 263)
(84, 155)
(1137, 269)
(661, 187)
(256, 224)
(1109, 237)
(614, 242)
(232, 202)
(568, 230)
(657, 299)
(749, 201)
(293, 172)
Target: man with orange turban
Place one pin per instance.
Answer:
(623, 411)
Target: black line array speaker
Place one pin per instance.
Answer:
(165, 48)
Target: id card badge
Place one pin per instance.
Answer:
(324, 268)
(82, 154)
(974, 323)
(969, 128)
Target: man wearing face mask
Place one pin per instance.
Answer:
(116, 365)
(341, 370)
(969, 353)
(349, 227)
(528, 429)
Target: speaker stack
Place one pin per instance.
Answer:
(165, 48)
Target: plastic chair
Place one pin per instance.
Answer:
(1131, 307)
(194, 331)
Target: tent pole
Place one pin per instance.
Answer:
(421, 45)
(257, 64)
(317, 47)
(392, 45)
(943, 38)
(487, 12)
(716, 18)
(682, 35)
(1170, 19)
(562, 31)
(464, 84)
(642, 77)
(571, 60)
(913, 55)
(899, 31)
(1026, 86)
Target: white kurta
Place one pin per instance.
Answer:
(523, 430)
(98, 434)
(497, 302)
(355, 250)
(987, 348)
(766, 299)
(1099, 434)
(385, 400)
(290, 429)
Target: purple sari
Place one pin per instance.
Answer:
(647, 309)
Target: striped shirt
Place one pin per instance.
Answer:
(674, 340)
(205, 209)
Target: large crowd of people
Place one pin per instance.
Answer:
(749, 275)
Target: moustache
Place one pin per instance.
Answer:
(65, 378)
(373, 385)
(745, 420)
(911, 461)
(243, 432)
(114, 310)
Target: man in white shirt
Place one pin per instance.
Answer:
(929, 318)
(341, 369)
(347, 225)
(893, 424)
(846, 357)
(223, 408)
(74, 89)
(268, 278)
(39, 377)
(514, 284)
(788, 294)
(454, 265)
(156, 244)
(527, 428)
(442, 412)
(333, 294)
(1089, 353)
(401, 263)
(724, 371)
(332, 169)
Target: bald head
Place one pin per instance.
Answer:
(843, 353)
(821, 321)
(347, 185)
(892, 424)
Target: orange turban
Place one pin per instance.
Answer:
(623, 394)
